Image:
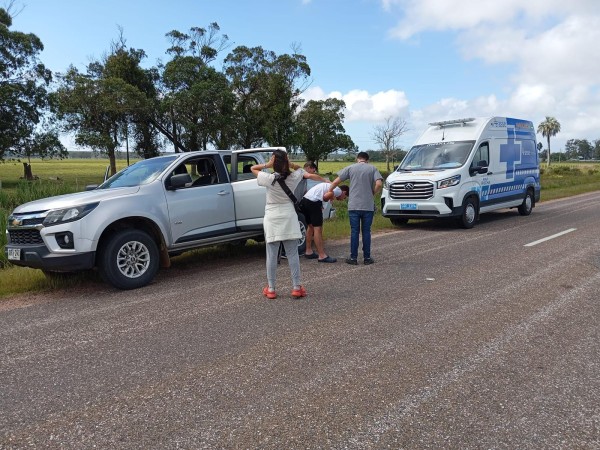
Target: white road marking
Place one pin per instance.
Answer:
(531, 244)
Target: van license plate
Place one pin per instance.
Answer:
(408, 206)
(14, 254)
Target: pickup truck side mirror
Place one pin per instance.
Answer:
(179, 181)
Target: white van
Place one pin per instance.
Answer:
(460, 168)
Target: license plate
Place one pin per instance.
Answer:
(14, 254)
(408, 206)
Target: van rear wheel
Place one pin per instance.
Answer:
(527, 206)
(470, 212)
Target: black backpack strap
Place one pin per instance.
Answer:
(287, 190)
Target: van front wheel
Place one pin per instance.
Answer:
(527, 206)
(469, 215)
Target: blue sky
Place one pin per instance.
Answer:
(422, 60)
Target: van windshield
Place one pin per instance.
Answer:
(437, 156)
(142, 172)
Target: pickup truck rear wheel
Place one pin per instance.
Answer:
(302, 240)
(130, 259)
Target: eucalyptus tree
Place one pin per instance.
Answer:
(125, 64)
(549, 128)
(320, 129)
(197, 101)
(100, 105)
(267, 89)
(26, 107)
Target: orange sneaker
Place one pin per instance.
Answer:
(300, 292)
(269, 294)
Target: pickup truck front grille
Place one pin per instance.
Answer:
(414, 190)
(33, 221)
(25, 237)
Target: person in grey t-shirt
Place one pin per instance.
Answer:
(365, 182)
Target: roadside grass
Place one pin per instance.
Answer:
(566, 180)
(58, 177)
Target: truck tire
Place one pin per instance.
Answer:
(470, 212)
(398, 221)
(302, 240)
(527, 206)
(129, 260)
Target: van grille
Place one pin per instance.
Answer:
(25, 237)
(416, 190)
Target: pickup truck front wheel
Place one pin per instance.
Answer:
(129, 260)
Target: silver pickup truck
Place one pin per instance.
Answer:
(132, 224)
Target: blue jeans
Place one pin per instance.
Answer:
(360, 220)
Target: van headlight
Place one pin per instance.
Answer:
(448, 182)
(58, 216)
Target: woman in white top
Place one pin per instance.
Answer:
(281, 221)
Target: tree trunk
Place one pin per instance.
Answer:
(27, 174)
(548, 150)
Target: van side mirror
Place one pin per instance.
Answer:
(91, 187)
(480, 168)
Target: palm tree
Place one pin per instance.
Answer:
(549, 127)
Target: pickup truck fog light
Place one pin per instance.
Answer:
(65, 240)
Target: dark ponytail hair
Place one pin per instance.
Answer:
(281, 165)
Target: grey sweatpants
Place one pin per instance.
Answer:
(291, 251)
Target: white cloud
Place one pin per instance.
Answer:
(552, 45)
(363, 106)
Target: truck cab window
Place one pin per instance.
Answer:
(244, 165)
(206, 173)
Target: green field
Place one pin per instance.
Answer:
(55, 177)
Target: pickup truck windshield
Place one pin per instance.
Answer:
(142, 172)
(437, 156)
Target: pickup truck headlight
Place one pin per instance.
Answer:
(58, 216)
(386, 184)
(448, 182)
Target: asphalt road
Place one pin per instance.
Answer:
(482, 338)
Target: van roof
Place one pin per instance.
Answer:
(475, 128)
